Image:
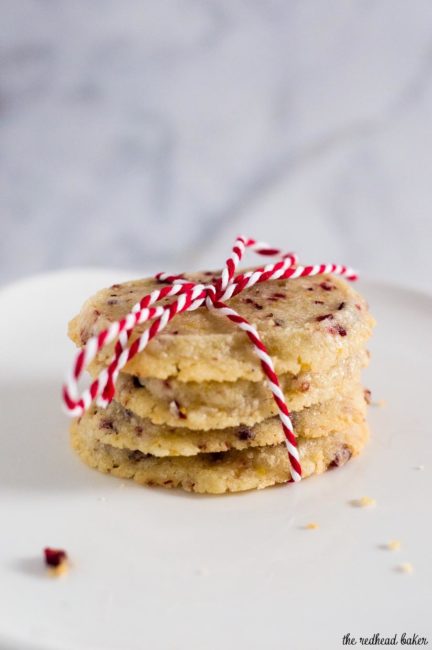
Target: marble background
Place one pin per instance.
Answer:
(148, 134)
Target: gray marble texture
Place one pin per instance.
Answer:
(148, 134)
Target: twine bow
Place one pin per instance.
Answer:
(191, 296)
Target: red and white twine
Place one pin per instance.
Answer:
(191, 296)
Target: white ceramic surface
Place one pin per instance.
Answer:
(166, 570)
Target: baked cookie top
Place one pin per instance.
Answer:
(305, 323)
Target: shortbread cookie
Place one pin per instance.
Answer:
(306, 324)
(231, 471)
(120, 428)
(217, 405)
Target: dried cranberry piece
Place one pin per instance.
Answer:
(54, 556)
(367, 396)
(249, 301)
(304, 386)
(245, 434)
(324, 317)
(112, 301)
(327, 286)
(337, 329)
(341, 306)
(319, 302)
(106, 423)
(341, 457)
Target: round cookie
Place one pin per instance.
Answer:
(120, 428)
(231, 471)
(305, 323)
(217, 405)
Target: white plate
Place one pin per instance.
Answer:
(162, 569)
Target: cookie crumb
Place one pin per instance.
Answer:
(58, 571)
(405, 567)
(363, 502)
(393, 545)
(56, 560)
(312, 525)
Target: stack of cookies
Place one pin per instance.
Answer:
(193, 409)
